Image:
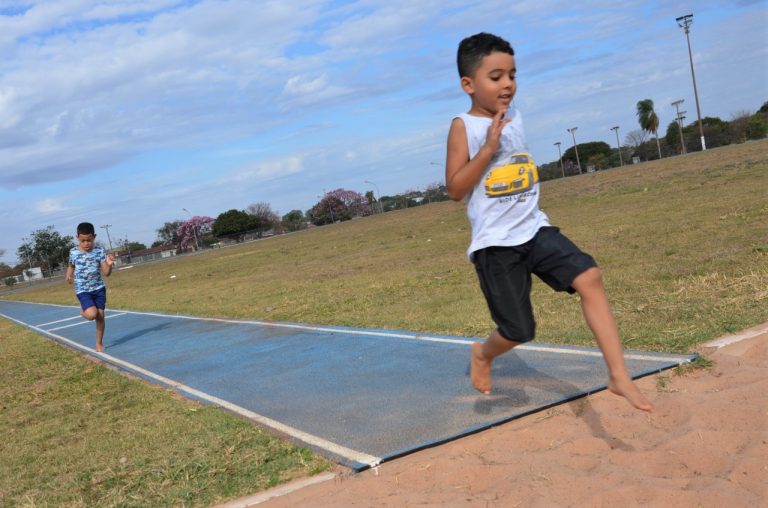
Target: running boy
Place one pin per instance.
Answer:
(511, 236)
(86, 265)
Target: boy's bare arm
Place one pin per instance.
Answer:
(461, 172)
(106, 265)
(70, 274)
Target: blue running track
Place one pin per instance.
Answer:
(357, 396)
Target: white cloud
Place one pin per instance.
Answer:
(50, 205)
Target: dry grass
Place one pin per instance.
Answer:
(683, 244)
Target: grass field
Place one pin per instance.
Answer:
(683, 244)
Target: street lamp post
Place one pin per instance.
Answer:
(381, 210)
(575, 148)
(107, 226)
(560, 154)
(194, 229)
(618, 145)
(680, 123)
(685, 22)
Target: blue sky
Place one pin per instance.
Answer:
(125, 112)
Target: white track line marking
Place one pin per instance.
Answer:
(353, 455)
(425, 338)
(60, 321)
(85, 322)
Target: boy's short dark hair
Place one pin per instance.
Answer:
(85, 228)
(473, 49)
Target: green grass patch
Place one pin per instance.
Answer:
(76, 433)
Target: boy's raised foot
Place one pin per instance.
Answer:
(480, 369)
(625, 387)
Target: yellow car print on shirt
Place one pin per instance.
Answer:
(516, 176)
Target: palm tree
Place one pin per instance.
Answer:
(649, 120)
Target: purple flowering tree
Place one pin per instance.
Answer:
(191, 232)
(339, 205)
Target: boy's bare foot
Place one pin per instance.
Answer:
(625, 387)
(100, 348)
(480, 369)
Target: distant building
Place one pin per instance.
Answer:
(142, 256)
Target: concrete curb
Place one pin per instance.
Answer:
(281, 490)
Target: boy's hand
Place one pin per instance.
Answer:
(493, 136)
(70, 279)
(110, 259)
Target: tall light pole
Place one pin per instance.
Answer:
(576, 149)
(680, 123)
(685, 23)
(28, 251)
(618, 145)
(194, 229)
(560, 154)
(107, 226)
(381, 210)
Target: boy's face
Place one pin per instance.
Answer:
(493, 85)
(86, 242)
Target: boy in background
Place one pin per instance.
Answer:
(86, 265)
(511, 236)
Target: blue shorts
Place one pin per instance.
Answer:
(90, 299)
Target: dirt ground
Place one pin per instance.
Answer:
(706, 445)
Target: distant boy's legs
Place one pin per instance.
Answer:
(100, 325)
(92, 308)
(599, 318)
(94, 313)
(483, 354)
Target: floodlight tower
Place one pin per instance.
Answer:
(680, 117)
(575, 148)
(562, 168)
(618, 145)
(685, 23)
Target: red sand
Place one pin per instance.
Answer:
(706, 445)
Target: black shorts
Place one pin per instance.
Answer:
(505, 277)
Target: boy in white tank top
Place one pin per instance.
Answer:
(488, 162)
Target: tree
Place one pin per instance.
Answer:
(168, 234)
(133, 246)
(370, 197)
(192, 231)
(635, 138)
(294, 220)
(589, 151)
(757, 127)
(233, 224)
(47, 248)
(339, 205)
(264, 218)
(649, 120)
(672, 136)
(436, 192)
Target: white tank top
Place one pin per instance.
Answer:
(503, 208)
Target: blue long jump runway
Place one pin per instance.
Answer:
(358, 396)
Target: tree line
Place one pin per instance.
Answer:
(48, 249)
(645, 144)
